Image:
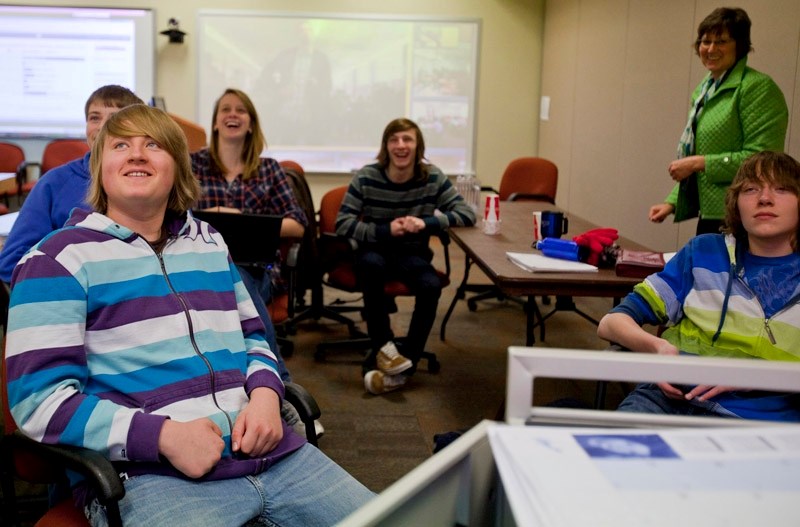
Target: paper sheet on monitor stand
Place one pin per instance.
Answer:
(7, 221)
(538, 263)
(558, 476)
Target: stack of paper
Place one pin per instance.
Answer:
(555, 476)
(537, 263)
(7, 221)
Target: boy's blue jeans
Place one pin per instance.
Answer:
(306, 488)
(649, 399)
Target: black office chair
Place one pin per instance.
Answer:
(305, 269)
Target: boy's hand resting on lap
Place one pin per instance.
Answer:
(193, 447)
(258, 428)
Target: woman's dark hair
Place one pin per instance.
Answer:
(774, 168)
(402, 125)
(735, 21)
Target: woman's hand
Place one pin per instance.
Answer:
(684, 167)
(659, 212)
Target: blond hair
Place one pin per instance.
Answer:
(140, 120)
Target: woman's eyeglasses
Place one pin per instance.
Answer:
(717, 43)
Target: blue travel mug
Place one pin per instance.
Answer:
(554, 224)
(563, 249)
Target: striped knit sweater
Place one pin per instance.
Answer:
(373, 201)
(702, 295)
(107, 339)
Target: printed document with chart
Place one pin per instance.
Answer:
(709, 476)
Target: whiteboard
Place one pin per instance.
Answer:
(325, 86)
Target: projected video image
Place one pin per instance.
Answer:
(326, 87)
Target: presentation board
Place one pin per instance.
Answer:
(53, 58)
(325, 86)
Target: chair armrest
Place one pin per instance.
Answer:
(523, 196)
(291, 259)
(293, 254)
(306, 407)
(22, 171)
(335, 248)
(93, 465)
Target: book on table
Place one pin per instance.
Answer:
(640, 264)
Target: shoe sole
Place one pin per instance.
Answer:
(391, 389)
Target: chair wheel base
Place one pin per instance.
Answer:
(286, 346)
(434, 366)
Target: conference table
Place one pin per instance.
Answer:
(488, 252)
(8, 181)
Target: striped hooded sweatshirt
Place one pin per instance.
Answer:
(107, 339)
(703, 297)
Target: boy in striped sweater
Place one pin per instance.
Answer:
(391, 209)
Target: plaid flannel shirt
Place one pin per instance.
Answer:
(268, 192)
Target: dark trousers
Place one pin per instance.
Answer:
(374, 269)
(708, 226)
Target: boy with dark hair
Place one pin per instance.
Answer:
(391, 209)
(56, 193)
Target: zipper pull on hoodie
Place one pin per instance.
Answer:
(769, 332)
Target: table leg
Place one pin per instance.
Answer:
(460, 295)
(534, 318)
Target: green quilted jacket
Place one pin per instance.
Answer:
(746, 114)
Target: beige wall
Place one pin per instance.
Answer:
(620, 74)
(508, 90)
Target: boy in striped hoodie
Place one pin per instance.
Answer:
(130, 333)
(735, 294)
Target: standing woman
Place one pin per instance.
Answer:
(736, 111)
